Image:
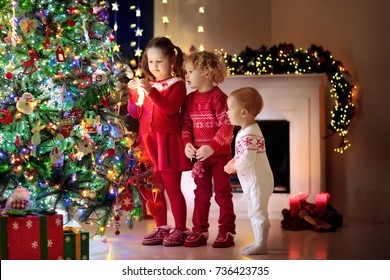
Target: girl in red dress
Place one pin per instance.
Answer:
(156, 101)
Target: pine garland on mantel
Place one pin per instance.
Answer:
(286, 59)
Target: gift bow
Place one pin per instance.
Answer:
(76, 231)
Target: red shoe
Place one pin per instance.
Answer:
(176, 238)
(157, 236)
(196, 239)
(224, 240)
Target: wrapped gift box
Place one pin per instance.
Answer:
(31, 237)
(76, 245)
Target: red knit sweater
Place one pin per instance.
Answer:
(205, 121)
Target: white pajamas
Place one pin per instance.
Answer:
(254, 173)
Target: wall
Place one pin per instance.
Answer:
(228, 24)
(356, 32)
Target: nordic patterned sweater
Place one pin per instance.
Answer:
(205, 121)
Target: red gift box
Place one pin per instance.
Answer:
(32, 237)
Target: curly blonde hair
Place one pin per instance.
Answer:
(210, 64)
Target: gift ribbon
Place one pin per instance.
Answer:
(43, 231)
(76, 231)
(3, 239)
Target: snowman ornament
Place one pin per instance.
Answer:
(25, 104)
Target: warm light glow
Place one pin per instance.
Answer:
(165, 19)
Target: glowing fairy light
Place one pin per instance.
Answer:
(141, 95)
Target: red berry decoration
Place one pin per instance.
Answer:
(117, 232)
(71, 22)
(9, 75)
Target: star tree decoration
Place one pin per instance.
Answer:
(61, 134)
(286, 59)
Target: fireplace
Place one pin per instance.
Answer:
(277, 142)
(300, 101)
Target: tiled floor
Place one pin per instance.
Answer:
(354, 241)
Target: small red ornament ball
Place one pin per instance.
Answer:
(117, 218)
(9, 75)
(111, 38)
(117, 232)
(71, 22)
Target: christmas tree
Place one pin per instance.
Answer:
(61, 135)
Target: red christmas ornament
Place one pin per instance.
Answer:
(30, 64)
(60, 54)
(127, 200)
(71, 22)
(5, 116)
(105, 100)
(152, 206)
(111, 38)
(110, 152)
(17, 141)
(117, 232)
(9, 75)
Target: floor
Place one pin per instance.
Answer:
(356, 240)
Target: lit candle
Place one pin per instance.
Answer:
(322, 200)
(295, 204)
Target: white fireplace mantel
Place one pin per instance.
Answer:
(300, 100)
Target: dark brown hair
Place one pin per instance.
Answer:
(171, 50)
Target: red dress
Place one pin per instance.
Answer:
(159, 119)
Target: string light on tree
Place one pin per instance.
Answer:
(60, 133)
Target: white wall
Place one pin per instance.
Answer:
(356, 32)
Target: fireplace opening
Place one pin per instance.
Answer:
(277, 144)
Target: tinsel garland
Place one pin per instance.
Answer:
(286, 59)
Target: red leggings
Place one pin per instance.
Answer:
(171, 181)
(214, 178)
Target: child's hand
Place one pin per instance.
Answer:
(230, 168)
(204, 152)
(132, 84)
(190, 151)
(145, 85)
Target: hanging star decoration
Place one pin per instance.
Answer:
(138, 32)
(115, 6)
(138, 52)
(116, 48)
